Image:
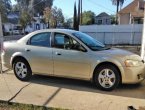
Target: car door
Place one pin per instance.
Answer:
(39, 53)
(69, 61)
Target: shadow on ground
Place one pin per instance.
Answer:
(133, 91)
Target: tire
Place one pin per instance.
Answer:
(104, 81)
(22, 69)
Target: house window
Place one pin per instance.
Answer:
(138, 20)
(100, 21)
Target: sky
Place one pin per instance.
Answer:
(97, 6)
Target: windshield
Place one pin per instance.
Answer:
(92, 43)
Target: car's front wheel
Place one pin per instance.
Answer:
(22, 69)
(107, 77)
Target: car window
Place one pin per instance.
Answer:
(42, 39)
(63, 41)
(90, 41)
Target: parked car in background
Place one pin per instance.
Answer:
(72, 54)
(17, 30)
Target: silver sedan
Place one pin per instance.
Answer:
(72, 54)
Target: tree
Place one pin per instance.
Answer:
(15, 7)
(23, 5)
(47, 15)
(42, 4)
(35, 7)
(117, 3)
(53, 16)
(5, 7)
(25, 19)
(68, 23)
(7, 4)
(88, 17)
(56, 17)
(113, 19)
(75, 20)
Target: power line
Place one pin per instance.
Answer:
(39, 3)
(101, 6)
(36, 4)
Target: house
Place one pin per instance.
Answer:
(13, 19)
(103, 19)
(132, 14)
(12, 26)
(36, 24)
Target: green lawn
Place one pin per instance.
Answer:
(17, 106)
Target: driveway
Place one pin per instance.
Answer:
(69, 94)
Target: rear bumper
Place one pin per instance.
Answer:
(133, 75)
(5, 61)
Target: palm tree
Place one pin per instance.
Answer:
(75, 18)
(118, 3)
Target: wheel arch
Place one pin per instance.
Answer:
(107, 63)
(18, 57)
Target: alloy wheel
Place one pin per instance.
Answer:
(106, 78)
(21, 69)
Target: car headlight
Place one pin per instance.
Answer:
(131, 63)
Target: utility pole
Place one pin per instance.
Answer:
(1, 44)
(1, 31)
(143, 35)
(81, 16)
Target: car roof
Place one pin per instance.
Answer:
(56, 30)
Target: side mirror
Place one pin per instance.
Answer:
(80, 48)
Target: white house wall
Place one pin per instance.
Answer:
(124, 18)
(8, 26)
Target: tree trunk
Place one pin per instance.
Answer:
(75, 23)
(24, 30)
(81, 17)
(48, 25)
(79, 13)
(117, 10)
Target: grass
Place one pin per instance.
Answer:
(17, 106)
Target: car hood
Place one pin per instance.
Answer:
(119, 53)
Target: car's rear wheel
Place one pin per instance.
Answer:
(107, 77)
(22, 69)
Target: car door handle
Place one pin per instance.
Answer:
(58, 53)
(27, 50)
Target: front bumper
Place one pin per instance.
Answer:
(133, 75)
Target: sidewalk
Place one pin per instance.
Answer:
(67, 93)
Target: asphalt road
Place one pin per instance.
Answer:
(12, 37)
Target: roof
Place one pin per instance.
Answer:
(13, 14)
(132, 7)
(13, 17)
(103, 14)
